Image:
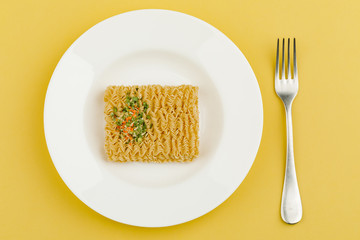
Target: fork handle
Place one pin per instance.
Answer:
(291, 208)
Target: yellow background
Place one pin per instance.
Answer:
(36, 204)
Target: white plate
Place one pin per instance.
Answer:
(153, 47)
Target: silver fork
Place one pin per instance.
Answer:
(286, 88)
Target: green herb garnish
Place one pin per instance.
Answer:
(130, 121)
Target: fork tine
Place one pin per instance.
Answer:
(295, 63)
(283, 60)
(277, 61)
(288, 61)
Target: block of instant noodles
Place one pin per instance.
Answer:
(151, 123)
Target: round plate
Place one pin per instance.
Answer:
(153, 47)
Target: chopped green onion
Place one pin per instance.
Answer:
(132, 120)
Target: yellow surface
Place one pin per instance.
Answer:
(36, 204)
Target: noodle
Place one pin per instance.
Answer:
(172, 124)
